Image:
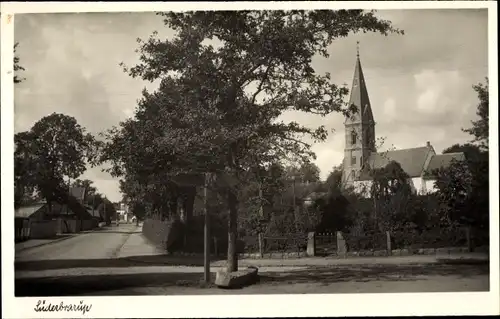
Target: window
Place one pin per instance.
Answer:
(353, 174)
(354, 138)
(353, 160)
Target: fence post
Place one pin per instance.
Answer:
(311, 244)
(468, 238)
(389, 248)
(341, 245)
(261, 246)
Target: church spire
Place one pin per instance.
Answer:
(359, 93)
(359, 128)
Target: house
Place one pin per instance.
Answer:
(41, 221)
(361, 156)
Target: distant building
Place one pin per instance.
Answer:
(124, 212)
(360, 154)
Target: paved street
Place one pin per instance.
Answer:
(99, 244)
(119, 261)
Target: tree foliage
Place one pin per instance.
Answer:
(480, 127)
(54, 149)
(226, 77)
(17, 66)
(463, 187)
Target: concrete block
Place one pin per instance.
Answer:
(236, 279)
(311, 244)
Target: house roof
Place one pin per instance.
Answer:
(444, 160)
(412, 161)
(77, 192)
(27, 211)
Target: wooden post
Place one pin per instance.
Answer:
(261, 246)
(470, 248)
(389, 248)
(207, 232)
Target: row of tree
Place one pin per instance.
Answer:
(214, 121)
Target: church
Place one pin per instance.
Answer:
(360, 153)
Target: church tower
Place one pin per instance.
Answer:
(359, 128)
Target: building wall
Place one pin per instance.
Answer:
(43, 229)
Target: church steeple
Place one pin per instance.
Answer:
(359, 127)
(359, 94)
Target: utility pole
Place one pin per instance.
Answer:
(294, 203)
(207, 231)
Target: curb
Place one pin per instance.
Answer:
(48, 243)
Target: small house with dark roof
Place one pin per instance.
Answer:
(361, 156)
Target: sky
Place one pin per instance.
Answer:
(420, 83)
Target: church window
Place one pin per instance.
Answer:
(353, 174)
(354, 137)
(353, 160)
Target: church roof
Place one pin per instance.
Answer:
(444, 160)
(359, 96)
(412, 160)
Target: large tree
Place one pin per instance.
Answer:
(463, 187)
(55, 148)
(226, 77)
(480, 127)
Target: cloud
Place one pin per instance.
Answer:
(420, 84)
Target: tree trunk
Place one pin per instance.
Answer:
(232, 257)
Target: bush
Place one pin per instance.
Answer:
(168, 234)
(432, 238)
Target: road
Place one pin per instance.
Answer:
(100, 244)
(118, 261)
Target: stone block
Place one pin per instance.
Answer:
(405, 252)
(350, 254)
(311, 244)
(455, 250)
(369, 253)
(464, 249)
(236, 279)
(267, 255)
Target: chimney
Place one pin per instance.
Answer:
(428, 144)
